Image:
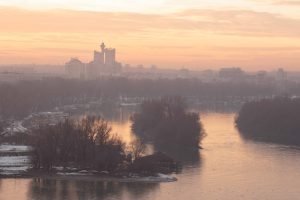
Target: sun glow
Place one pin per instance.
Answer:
(169, 33)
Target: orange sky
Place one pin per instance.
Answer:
(252, 35)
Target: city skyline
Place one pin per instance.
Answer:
(249, 34)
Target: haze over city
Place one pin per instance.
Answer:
(149, 99)
(194, 34)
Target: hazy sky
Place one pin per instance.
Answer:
(199, 34)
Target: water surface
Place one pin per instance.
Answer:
(228, 168)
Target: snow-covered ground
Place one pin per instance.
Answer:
(7, 148)
(134, 178)
(13, 164)
(158, 178)
(13, 160)
(15, 128)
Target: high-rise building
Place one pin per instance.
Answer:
(104, 63)
(110, 57)
(99, 56)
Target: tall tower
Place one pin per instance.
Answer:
(99, 56)
(102, 46)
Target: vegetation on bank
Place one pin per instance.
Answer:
(20, 99)
(88, 143)
(274, 120)
(167, 121)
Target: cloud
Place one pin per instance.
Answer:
(285, 49)
(279, 2)
(244, 22)
(210, 37)
(236, 22)
(292, 3)
(232, 22)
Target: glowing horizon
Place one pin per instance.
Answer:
(169, 33)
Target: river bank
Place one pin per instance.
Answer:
(86, 176)
(15, 163)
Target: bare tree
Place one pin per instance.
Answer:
(137, 148)
(87, 142)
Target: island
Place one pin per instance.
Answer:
(85, 148)
(271, 120)
(166, 121)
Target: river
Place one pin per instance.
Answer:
(228, 168)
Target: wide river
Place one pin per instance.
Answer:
(228, 168)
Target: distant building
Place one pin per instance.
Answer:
(110, 57)
(232, 74)
(75, 68)
(92, 70)
(104, 63)
(99, 57)
(281, 75)
(281, 82)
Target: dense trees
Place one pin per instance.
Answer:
(275, 120)
(166, 121)
(22, 98)
(86, 143)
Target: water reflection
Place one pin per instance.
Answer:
(118, 114)
(49, 189)
(187, 157)
(227, 168)
(121, 124)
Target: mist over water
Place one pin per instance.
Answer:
(228, 167)
(100, 100)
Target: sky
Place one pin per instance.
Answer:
(195, 34)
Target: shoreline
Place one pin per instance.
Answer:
(161, 178)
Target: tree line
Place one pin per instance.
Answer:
(275, 120)
(17, 100)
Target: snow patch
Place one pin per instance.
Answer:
(14, 148)
(11, 164)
